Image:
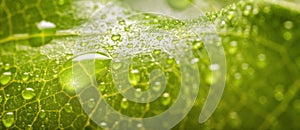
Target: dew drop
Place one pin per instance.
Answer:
(25, 77)
(42, 114)
(68, 108)
(288, 24)
(124, 103)
(166, 99)
(134, 77)
(5, 78)
(116, 37)
(45, 25)
(8, 119)
(197, 45)
(91, 103)
(28, 93)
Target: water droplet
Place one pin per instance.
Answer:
(28, 93)
(68, 108)
(8, 119)
(42, 114)
(116, 37)
(122, 22)
(103, 16)
(166, 99)
(91, 103)
(5, 78)
(288, 24)
(124, 103)
(134, 77)
(45, 25)
(139, 125)
(103, 124)
(287, 35)
(102, 86)
(247, 10)
(156, 52)
(180, 4)
(25, 77)
(262, 57)
(197, 45)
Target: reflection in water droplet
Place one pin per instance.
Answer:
(68, 108)
(5, 78)
(28, 93)
(8, 119)
(91, 103)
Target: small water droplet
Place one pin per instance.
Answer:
(288, 24)
(5, 78)
(91, 103)
(42, 114)
(116, 37)
(247, 10)
(103, 124)
(45, 25)
(122, 22)
(262, 57)
(8, 119)
(28, 93)
(68, 108)
(287, 35)
(156, 52)
(197, 45)
(25, 77)
(166, 99)
(124, 103)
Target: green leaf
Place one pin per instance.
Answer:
(40, 39)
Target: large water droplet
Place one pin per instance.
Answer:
(8, 119)
(5, 78)
(68, 108)
(28, 93)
